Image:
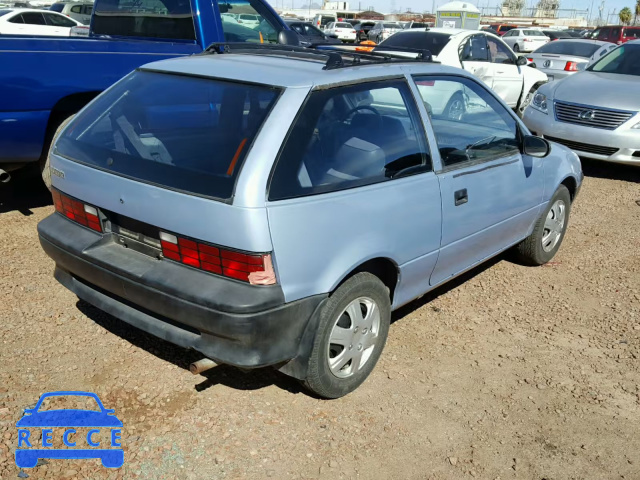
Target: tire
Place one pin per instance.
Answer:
(546, 238)
(45, 171)
(516, 48)
(337, 364)
(455, 108)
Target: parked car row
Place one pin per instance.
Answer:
(26, 21)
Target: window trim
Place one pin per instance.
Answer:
(381, 80)
(471, 162)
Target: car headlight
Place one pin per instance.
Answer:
(539, 102)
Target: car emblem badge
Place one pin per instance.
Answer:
(547, 64)
(587, 115)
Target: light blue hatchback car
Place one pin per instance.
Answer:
(273, 205)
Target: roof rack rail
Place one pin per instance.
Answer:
(334, 57)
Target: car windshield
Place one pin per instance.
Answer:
(434, 42)
(579, 48)
(624, 60)
(65, 402)
(533, 33)
(193, 140)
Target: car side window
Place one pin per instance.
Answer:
(255, 24)
(33, 18)
(16, 19)
(351, 136)
(469, 123)
(54, 20)
(500, 53)
(76, 9)
(87, 9)
(475, 49)
(312, 31)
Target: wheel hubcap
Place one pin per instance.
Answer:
(553, 226)
(353, 337)
(456, 110)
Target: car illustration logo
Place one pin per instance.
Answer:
(100, 444)
(547, 64)
(587, 115)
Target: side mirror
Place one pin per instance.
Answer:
(522, 61)
(288, 37)
(535, 146)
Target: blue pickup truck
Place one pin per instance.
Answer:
(47, 80)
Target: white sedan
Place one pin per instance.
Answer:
(26, 21)
(342, 30)
(525, 39)
(481, 53)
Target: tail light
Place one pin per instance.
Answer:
(77, 211)
(530, 59)
(256, 269)
(571, 67)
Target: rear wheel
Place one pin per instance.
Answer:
(352, 332)
(45, 169)
(455, 108)
(516, 48)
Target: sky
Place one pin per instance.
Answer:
(426, 5)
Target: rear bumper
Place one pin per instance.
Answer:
(227, 321)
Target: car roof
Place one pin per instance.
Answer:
(22, 10)
(450, 31)
(289, 72)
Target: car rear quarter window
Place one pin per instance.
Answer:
(169, 19)
(183, 133)
(351, 136)
(434, 42)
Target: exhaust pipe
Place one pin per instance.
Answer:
(4, 176)
(202, 366)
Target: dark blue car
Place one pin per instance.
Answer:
(104, 418)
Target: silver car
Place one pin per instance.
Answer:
(562, 58)
(278, 219)
(594, 112)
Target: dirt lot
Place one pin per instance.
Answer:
(509, 372)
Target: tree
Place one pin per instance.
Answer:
(625, 16)
(637, 12)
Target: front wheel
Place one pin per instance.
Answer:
(455, 108)
(548, 232)
(352, 332)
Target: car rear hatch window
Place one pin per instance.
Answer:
(578, 48)
(179, 132)
(434, 42)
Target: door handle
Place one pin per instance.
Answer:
(461, 197)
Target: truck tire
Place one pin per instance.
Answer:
(45, 171)
(352, 331)
(548, 232)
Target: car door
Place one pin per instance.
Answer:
(34, 24)
(491, 193)
(507, 77)
(60, 25)
(507, 38)
(354, 181)
(474, 57)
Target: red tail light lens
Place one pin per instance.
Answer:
(79, 212)
(247, 267)
(571, 67)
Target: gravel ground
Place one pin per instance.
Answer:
(509, 372)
